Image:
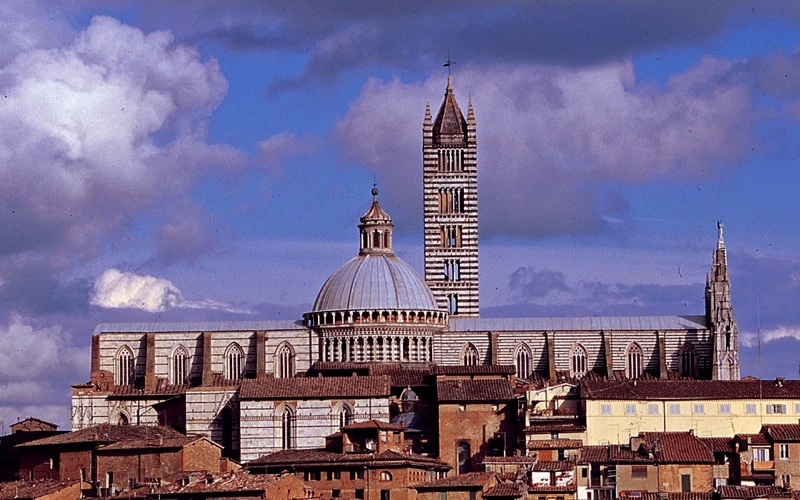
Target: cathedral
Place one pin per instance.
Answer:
(378, 330)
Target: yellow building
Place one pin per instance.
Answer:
(616, 410)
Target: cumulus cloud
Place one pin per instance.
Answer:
(99, 129)
(750, 339)
(559, 142)
(117, 289)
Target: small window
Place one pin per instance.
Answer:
(686, 483)
(359, 493)
(462, 407)
(605, 409)
(797, 407)
(386, 494)
(335, 493)
(724, 409)
(442, 495)
(674, 409)
(776, 409)
(652, 409)
(386, 475)
(783, 451)
(786, 480)
(639, 471)
(699, 409)
(761, 454)
(584, 472)
(750, 409)
(630, 409)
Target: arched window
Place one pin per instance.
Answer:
(688, 360)
(234, 362)
(287, 428)
(452, 303)
(470, 355)
(345, 416)
(633, 361)
(386, 475)
(179, 366)
(284, 361)
(122, 419)
(522, 360)
(123, 368)
(578, 365)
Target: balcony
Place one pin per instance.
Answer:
(764, 466)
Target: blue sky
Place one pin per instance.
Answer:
(203, 160)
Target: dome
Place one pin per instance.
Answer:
(375, 282)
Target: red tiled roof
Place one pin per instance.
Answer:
(641, 495)
(474, 390)
(782, 432)
(749, 492)
(554, 444)
(315, 387)
(504, 490)
(470, 480)
(162, 388)
(753, 439)
(154, 443)
(32, 489)
(547, 427)
(655, 389)
(107, 433)
(238, 482)
(373, 424)
(474, 370)
(509, 460)
(677, 447)
(323, 458)
(402, 374)
(543, 488)
(718, 444)
(553, 466)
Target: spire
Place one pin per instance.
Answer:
(449, 126)
(376, 228)
(720, 240)
(719, 314)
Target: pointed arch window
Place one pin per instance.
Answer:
(688, 360)
(634, 361)
(287, 428)
(179, 366)
(452, 303)
(123, 367)
(522, 360)
(578, 364)
(234, 362)
(470, 356)
(345, 416)
(284, 361)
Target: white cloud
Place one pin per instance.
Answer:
(116, 289)
(30, 354)
(750, 339)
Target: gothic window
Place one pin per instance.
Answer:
(284, 361)
(123, 368)
(452, 270)
(452, 303)
(345, 416)
(287, 428)
(688, 360)
(470, 355)
(578, 364)
(451, 200)
(234, 362)
(451, 236)
(179, 366)
(451, 160)
(123, 419)
(523, 361)
(633, 361)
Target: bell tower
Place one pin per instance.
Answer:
(450, 187)
(719, 314)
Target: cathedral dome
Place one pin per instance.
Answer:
(376, 285)
(375, 281)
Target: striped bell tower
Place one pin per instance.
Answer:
(450, 187)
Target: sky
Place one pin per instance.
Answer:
(209, 160)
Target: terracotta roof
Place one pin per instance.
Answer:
(718, 444)
(322, 458)
(199, 483)
(107, 433)
(548, 427)
(373, 424)
(474, 390)
(504, 490)
(33, 419)
(315, 387)
(677, 447)
(162, 388)
(554, 444)
(402, 374)
(641, 495)
(470, 480)
(474, 370)
(542, 488)
(32, 489)
(155, 443)
(782, 432)
(753, 439)
(553, 466)
(749, 492)
(688, 389)
(509, 460)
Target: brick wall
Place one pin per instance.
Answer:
(475, 424)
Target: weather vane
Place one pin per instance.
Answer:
(448, 63)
